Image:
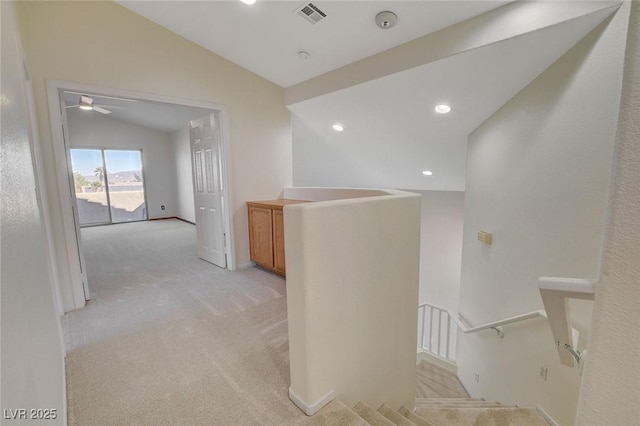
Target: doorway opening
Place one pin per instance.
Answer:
(109, 186)
(166, 173)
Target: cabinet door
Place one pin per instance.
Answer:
(278, 241)
(260, 236)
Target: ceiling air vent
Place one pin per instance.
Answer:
(310, 12)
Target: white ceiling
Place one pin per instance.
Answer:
(154, 115)
(265, 38)
(391, 131)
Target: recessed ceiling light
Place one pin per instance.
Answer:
(443, 109)
(249, 2)
(338, 127)
(427, 172)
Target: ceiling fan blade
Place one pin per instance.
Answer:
(101, 96)
(86, 100)
(72, 106)
(101, 110)
(110, 106)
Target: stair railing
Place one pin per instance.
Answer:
(555, 293)
(436, 322)
(426, 342)
(435, 315)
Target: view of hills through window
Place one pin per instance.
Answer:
(109, 185)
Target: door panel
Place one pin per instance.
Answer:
(261, 229)
(205, 151)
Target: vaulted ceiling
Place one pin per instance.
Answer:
(382, 85)
(266, 36)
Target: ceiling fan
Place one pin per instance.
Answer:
(86, 103)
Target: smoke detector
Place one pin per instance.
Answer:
(386, 19)
(303, 54)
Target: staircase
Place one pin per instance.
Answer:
(429, 411)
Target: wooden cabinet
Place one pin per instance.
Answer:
(266, 233)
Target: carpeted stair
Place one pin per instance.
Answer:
(440, 400)
(429, 412)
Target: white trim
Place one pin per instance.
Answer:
(568, 285)
(546, 416)
(63, 179)
(64, 193)
(245, 265)
(311, 409)
(424, 355)
(554, 292)
(226, 192)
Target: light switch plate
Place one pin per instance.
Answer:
(485, 237)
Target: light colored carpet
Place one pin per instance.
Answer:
(482, 416)
(434, 382)
(395, 416)
(333, 414)
(419, 421)
(371, 415)
(170, 339)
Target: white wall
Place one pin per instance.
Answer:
(352, 291)
(32, 349)
(611, 386)
(184, 175)
(318, 162)
(538, 176)
(442, 218)
(144, 57)
(94, 130)
(441, 222)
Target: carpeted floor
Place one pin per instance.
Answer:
(434, 382)
(169, 339)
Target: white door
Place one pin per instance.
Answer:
(74, 204)
(207, 188)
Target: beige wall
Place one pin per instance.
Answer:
(538, 177)
(352, 292)
(184, 180)
(104, 44)
(32, 349)
(610, 391)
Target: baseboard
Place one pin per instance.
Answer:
(444, 363)
(546, 416)
(245, 265)
(172, 217)
(185, 220)
(311, 409)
